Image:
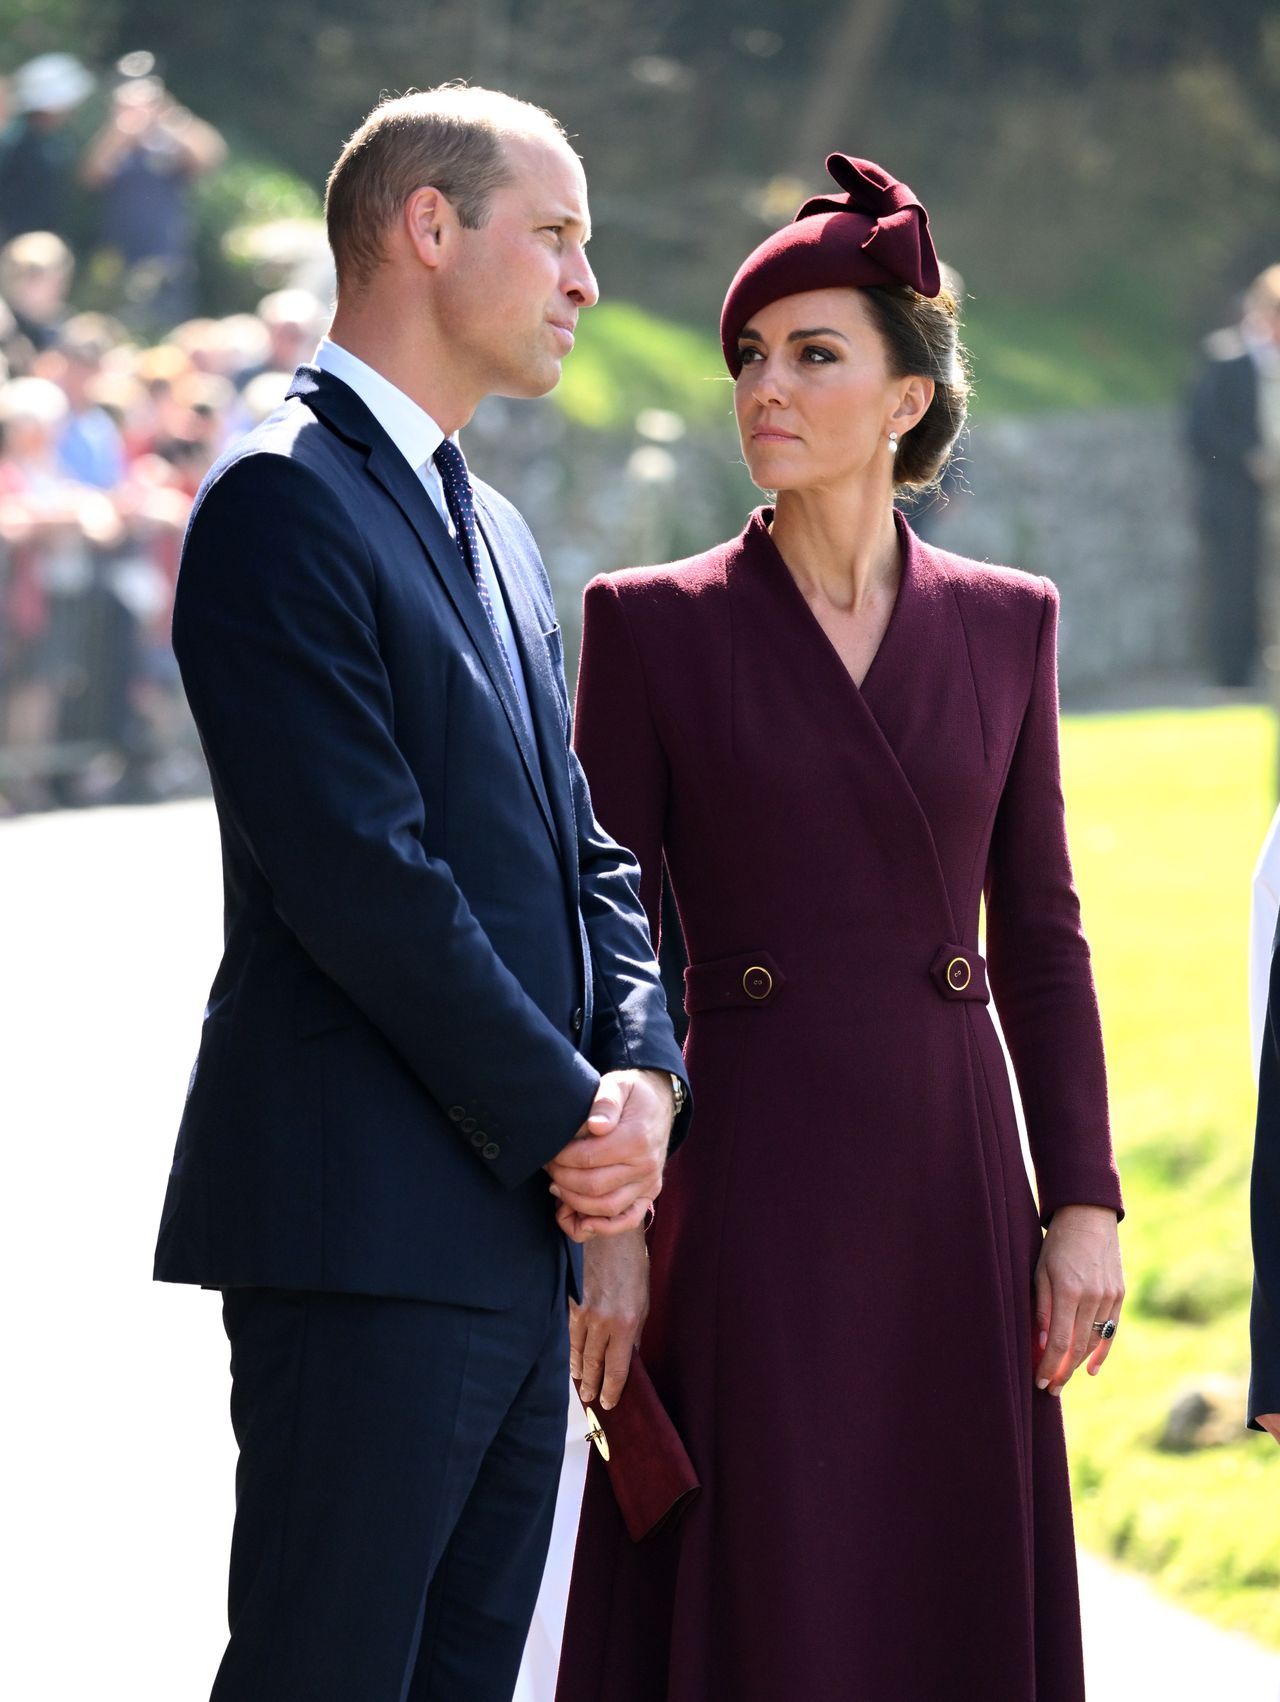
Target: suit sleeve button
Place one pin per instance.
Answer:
(468, 1123)
(757, 983)
(457, 1113)
(490, 1149)
(478, 1139)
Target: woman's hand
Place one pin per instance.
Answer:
(605, 1328)
(1079, 1282)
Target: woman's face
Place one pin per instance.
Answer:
(815, 400)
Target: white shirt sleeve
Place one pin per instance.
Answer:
(1262, 928)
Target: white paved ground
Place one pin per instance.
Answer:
(119, 1457)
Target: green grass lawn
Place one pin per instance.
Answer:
(1167, 810)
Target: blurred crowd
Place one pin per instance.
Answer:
(105, 435)
(103, 444)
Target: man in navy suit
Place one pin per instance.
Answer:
(436, 1055)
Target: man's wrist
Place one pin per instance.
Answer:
(679, 1092)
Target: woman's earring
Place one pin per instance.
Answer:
(893, 443)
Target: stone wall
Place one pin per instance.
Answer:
(1097, 502)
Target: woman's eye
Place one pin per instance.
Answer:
(749, 357)
(816, 356)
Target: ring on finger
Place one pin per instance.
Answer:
(1105, 1328)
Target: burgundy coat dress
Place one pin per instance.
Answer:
(842, 1305)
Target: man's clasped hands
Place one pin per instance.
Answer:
(607, 1178)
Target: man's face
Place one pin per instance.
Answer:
(509, 299)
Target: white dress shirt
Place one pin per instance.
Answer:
(417, 436)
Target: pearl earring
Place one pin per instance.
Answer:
(893, 443)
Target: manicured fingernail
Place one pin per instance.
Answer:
(1042, 1382)
(1044, 1334)
(555, 1192)
(1056, 1390)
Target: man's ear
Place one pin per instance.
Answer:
(428, 221)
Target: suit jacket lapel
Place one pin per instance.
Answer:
(347, 413)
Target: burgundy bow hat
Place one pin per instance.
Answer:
(877, 232)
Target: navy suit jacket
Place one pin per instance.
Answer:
(432, 950)
(1264, 1319)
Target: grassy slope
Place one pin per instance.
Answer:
(1167, 811)
(1027, 357)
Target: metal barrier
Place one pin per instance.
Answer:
(91, 704)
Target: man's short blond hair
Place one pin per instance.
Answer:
(450, 138)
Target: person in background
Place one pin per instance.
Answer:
(91, 448)
(1233, 433)
(35, 278)
(53, 531)
(37, 149)
(142, 164)
(294, 321)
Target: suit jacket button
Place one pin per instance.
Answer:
(457, 1113)
(576, 1020)
(490, 1150)
(468, 1123)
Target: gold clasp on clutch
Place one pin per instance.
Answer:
(596, 1434)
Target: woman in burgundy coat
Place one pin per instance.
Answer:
(835, 740)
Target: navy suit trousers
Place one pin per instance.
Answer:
(399, 1461)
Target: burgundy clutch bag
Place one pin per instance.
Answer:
(651, 1475)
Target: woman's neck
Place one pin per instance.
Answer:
(840, 545)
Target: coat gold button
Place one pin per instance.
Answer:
(757, 983)
(959, 974)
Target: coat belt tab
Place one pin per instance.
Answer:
(746, 979)
(959, 972)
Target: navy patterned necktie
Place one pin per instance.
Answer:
(452, 467)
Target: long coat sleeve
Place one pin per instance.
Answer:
(1038, 959)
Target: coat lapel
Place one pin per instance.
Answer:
(344, 410)
(772, 610)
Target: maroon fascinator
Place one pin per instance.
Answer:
(875, 233)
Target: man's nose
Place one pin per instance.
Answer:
(582, 288)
